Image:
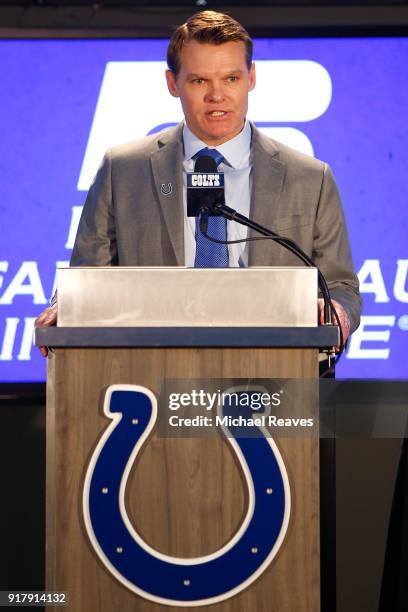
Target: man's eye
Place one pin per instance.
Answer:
(198, 81)
(232, 78)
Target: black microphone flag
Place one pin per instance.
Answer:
(205, 187)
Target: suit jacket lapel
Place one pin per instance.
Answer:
(167, 168)
(268, 176)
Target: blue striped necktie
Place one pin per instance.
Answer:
(210, 254)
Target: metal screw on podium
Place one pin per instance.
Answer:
(119, 549)
(254, 550)
(105, 490)
(135, 421)
(269, 491)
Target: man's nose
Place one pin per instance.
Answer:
(215, 92)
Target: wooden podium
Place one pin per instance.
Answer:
(185, 497)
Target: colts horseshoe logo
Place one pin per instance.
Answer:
(149, 573)
(166, 189)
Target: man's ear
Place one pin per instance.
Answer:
(252, 77)
(171, 83)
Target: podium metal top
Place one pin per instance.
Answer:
(187, 297)
(184, 307)
(144, 337)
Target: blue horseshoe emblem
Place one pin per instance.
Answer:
(144, 570)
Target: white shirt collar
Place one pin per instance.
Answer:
(235, 151)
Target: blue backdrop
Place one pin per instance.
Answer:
(49, 95)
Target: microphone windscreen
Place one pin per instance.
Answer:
(205, 164)
(205, 186)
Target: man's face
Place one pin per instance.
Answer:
(213, 85)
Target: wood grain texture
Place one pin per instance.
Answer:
(192, 489)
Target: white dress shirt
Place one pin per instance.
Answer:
(237, 168)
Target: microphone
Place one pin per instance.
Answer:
(205, 195)
(205, 187)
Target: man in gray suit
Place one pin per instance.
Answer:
(135, 212)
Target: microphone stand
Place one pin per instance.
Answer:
(232, 215)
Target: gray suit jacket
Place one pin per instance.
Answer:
(128, 221)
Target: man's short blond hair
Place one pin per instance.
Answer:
(207, 27)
